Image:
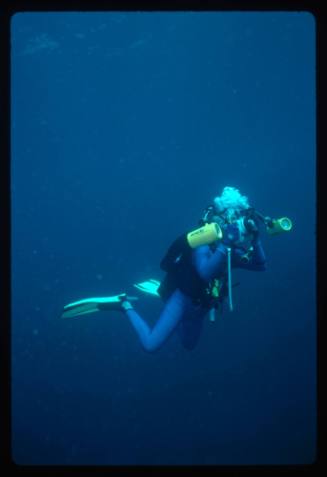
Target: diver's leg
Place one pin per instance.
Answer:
(171, 315)
(190, 327)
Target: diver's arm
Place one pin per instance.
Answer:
(174, 252)
(209, 264)
(257, 261)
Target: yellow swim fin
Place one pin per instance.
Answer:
(149, 286)
(92, 305)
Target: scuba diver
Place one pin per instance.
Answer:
(198, 272)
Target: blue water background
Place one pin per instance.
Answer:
(124, 127)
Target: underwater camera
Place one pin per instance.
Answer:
(211, 226)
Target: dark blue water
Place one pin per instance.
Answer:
(124, 127)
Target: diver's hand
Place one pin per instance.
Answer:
(253, 228)
(231, 235)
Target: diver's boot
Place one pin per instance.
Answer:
(126, 305)
(118, 303)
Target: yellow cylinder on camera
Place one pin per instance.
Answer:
(205, 235)
(278, 226)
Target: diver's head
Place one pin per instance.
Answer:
(230, 204)
(232, 208)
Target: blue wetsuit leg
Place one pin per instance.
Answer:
(177, 308)
(190, 327)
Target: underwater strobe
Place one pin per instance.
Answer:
(277, 226)
(251, 218)
(205, 235)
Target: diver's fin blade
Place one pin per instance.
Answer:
(83, 309)
(149, 286)
(88, 301)
(91, 305)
